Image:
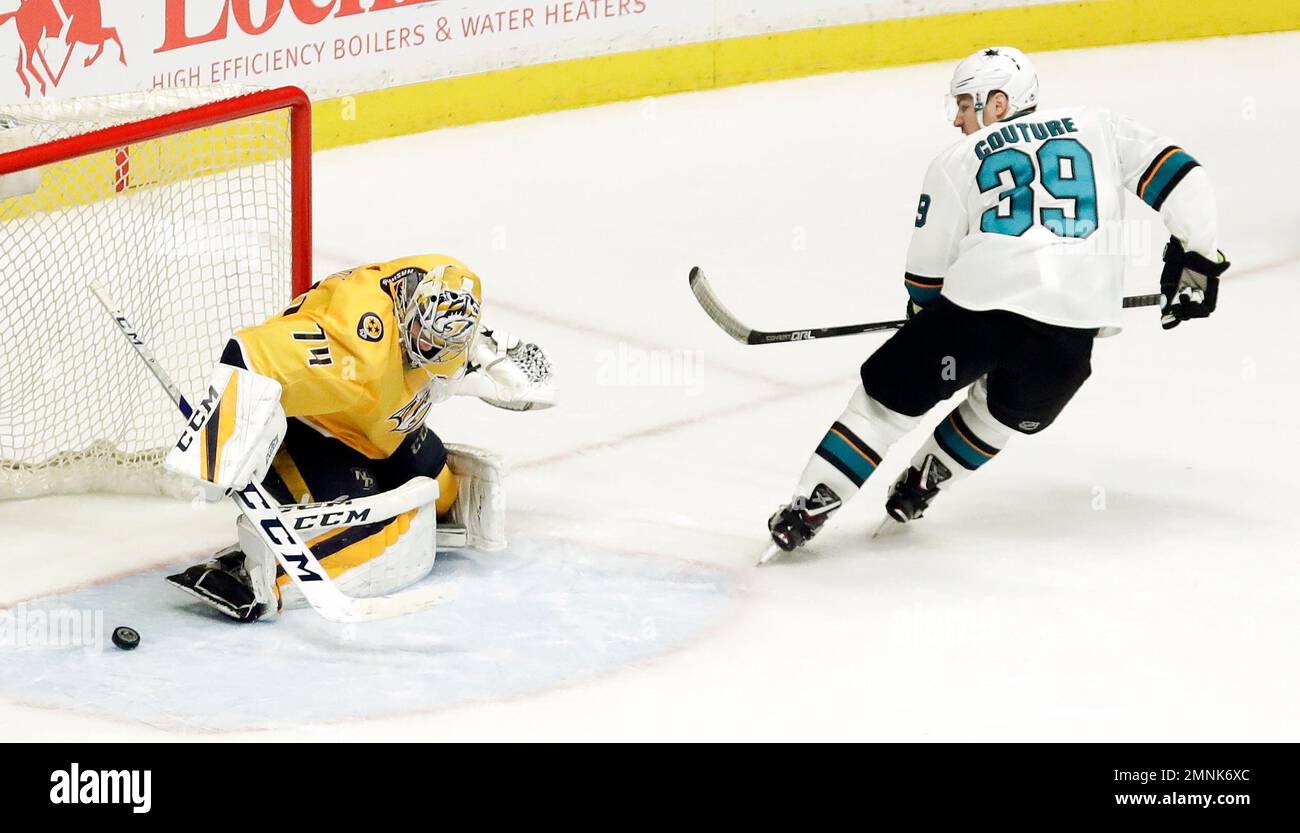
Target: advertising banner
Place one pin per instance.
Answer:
(63, 48)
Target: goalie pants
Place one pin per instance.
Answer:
(311, 467)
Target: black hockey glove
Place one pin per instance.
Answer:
(1190, 284)
(912, 309)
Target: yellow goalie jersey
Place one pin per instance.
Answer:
(337, 350)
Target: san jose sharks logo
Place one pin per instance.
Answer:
(993, 53)
(411, 416)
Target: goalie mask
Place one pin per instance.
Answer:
(438, 312)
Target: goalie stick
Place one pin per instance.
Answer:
(733, 327)
(306, 515)
(267, 518)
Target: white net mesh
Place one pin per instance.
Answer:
(193, 235)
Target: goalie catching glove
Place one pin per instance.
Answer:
(232, 434)
(508, 373)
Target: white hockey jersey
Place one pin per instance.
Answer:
(1027, 215)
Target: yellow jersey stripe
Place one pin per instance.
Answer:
(284, 466)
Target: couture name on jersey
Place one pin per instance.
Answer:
(1026, 131)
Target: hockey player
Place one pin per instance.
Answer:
(327, 400)
(1011, 273)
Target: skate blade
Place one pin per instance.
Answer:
(212, 602)
(887, 527)
(771, 552)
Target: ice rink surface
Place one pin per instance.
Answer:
(1130, 574)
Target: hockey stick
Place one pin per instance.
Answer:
(267, 517)
(732, 326)
(318, 517)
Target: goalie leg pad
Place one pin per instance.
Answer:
(370, 547)
(481, 504)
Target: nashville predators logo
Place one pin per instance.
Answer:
(412, 414)
(365, 480)
(371, 327)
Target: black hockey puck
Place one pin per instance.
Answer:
(126, 638)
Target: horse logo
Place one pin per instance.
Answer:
(80, 22)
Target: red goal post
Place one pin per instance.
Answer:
(194, 207)
(221, 111)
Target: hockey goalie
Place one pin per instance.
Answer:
(325, 404)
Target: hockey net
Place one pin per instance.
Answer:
(194, 208)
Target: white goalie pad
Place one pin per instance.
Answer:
(408, 557)
(480, 506)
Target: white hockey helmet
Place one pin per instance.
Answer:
(997, 68)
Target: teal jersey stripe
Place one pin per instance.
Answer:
(922, 295)
(1171, 172)
(922, 290)
(956, 445)
(835, 446)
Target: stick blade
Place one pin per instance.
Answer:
(715, 310)
(389, 607)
